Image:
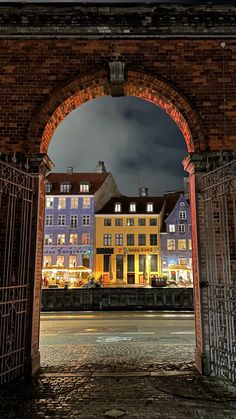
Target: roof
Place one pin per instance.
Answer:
(95, 179)
(171, 199)
(141, 203)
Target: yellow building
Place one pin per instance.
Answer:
(127, 240)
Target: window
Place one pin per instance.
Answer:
(86, 261)
(181, 244)
(153, 222)
(61, 220)
(49, 220)
(182, 215)
(61, 238)
(141, 222)
(130, 263)
(74, 221)
(84, 187)
(189, 228)
(130, 239)
(49, 202)
(190, 244)
(170, 244)
(61, 203)
(142, 263)
(150, 207)
(73, 238)
(107, 221)
(153, 239)
(117, 207)
(142, 239)
(74, 202)
(119, 266)
(119, 239)
(60, 260)
(107, 239)
(130, 221)
(72, 261)
(86, 220)
(118, 222)
(171, 228)
(182, 261)
(65, 187)
(47, 261)
(86, 202)
(85, 238)
(132, 207)
(153, 263)
(106, 263)
(181, 228)
(48, 239)
(48, 187)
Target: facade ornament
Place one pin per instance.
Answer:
(116, 72)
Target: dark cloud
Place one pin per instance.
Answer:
(138, 141)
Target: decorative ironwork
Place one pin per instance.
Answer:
(16, 202)
(117, 72)
(219, 205)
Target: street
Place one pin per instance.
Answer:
(117, 340)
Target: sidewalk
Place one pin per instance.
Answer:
(69, 393)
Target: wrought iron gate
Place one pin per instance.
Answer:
(16, 202)
(219, 204)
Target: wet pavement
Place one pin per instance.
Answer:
(102, 374)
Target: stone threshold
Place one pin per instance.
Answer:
(101, 373)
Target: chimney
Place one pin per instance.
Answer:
(100, 168)
(143, 191)
(69, 170)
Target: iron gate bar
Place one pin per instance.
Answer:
(219, 209)
(16, 203)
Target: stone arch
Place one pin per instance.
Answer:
(138, 84)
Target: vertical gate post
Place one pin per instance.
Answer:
(39, 166)
(197, 165)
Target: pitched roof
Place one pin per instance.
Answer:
(140, 201)
(171, 199)
(95, 179)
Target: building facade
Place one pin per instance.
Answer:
(127, 237)
(71, 200)
(176, 242)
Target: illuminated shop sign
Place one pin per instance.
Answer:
(137, 249)
(68, 250)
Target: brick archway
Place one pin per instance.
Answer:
(88, 87)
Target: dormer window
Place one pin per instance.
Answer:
(48, 187)
(150, 207)
(117, 207)
(84, 187)
(132, 207)
(65, 187)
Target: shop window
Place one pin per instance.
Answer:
(130, 263)
(47, 261)
(72, 261)
(60, 260)
(142, 263)
(119, 267)
(106, 263)
(153, 263)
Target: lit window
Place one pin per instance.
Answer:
(141, 222)
(182, 215)
(117, 207)
(65, 187)
(47, 261)
(182, 261)
(49, 202)
(61, 238)
(72, 261)
(190, 244)
(170, 244)
(130, 221)
(49, 220)
(74, 203)
(48, 239)
(60, 260)
(171, 228)
(142, 239)
(150, 207)
(119, 239)
(73, 221)
(107, 221)
(132, 207)
(86, 202)
(107, 239)
(74, 238)
(48, 187)
(84, 187)
(61, 203)
(118, 222)
(86, 220)
(61, 220)
(153, 222)
(85, 238)
(181, 244)
(181, 228)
